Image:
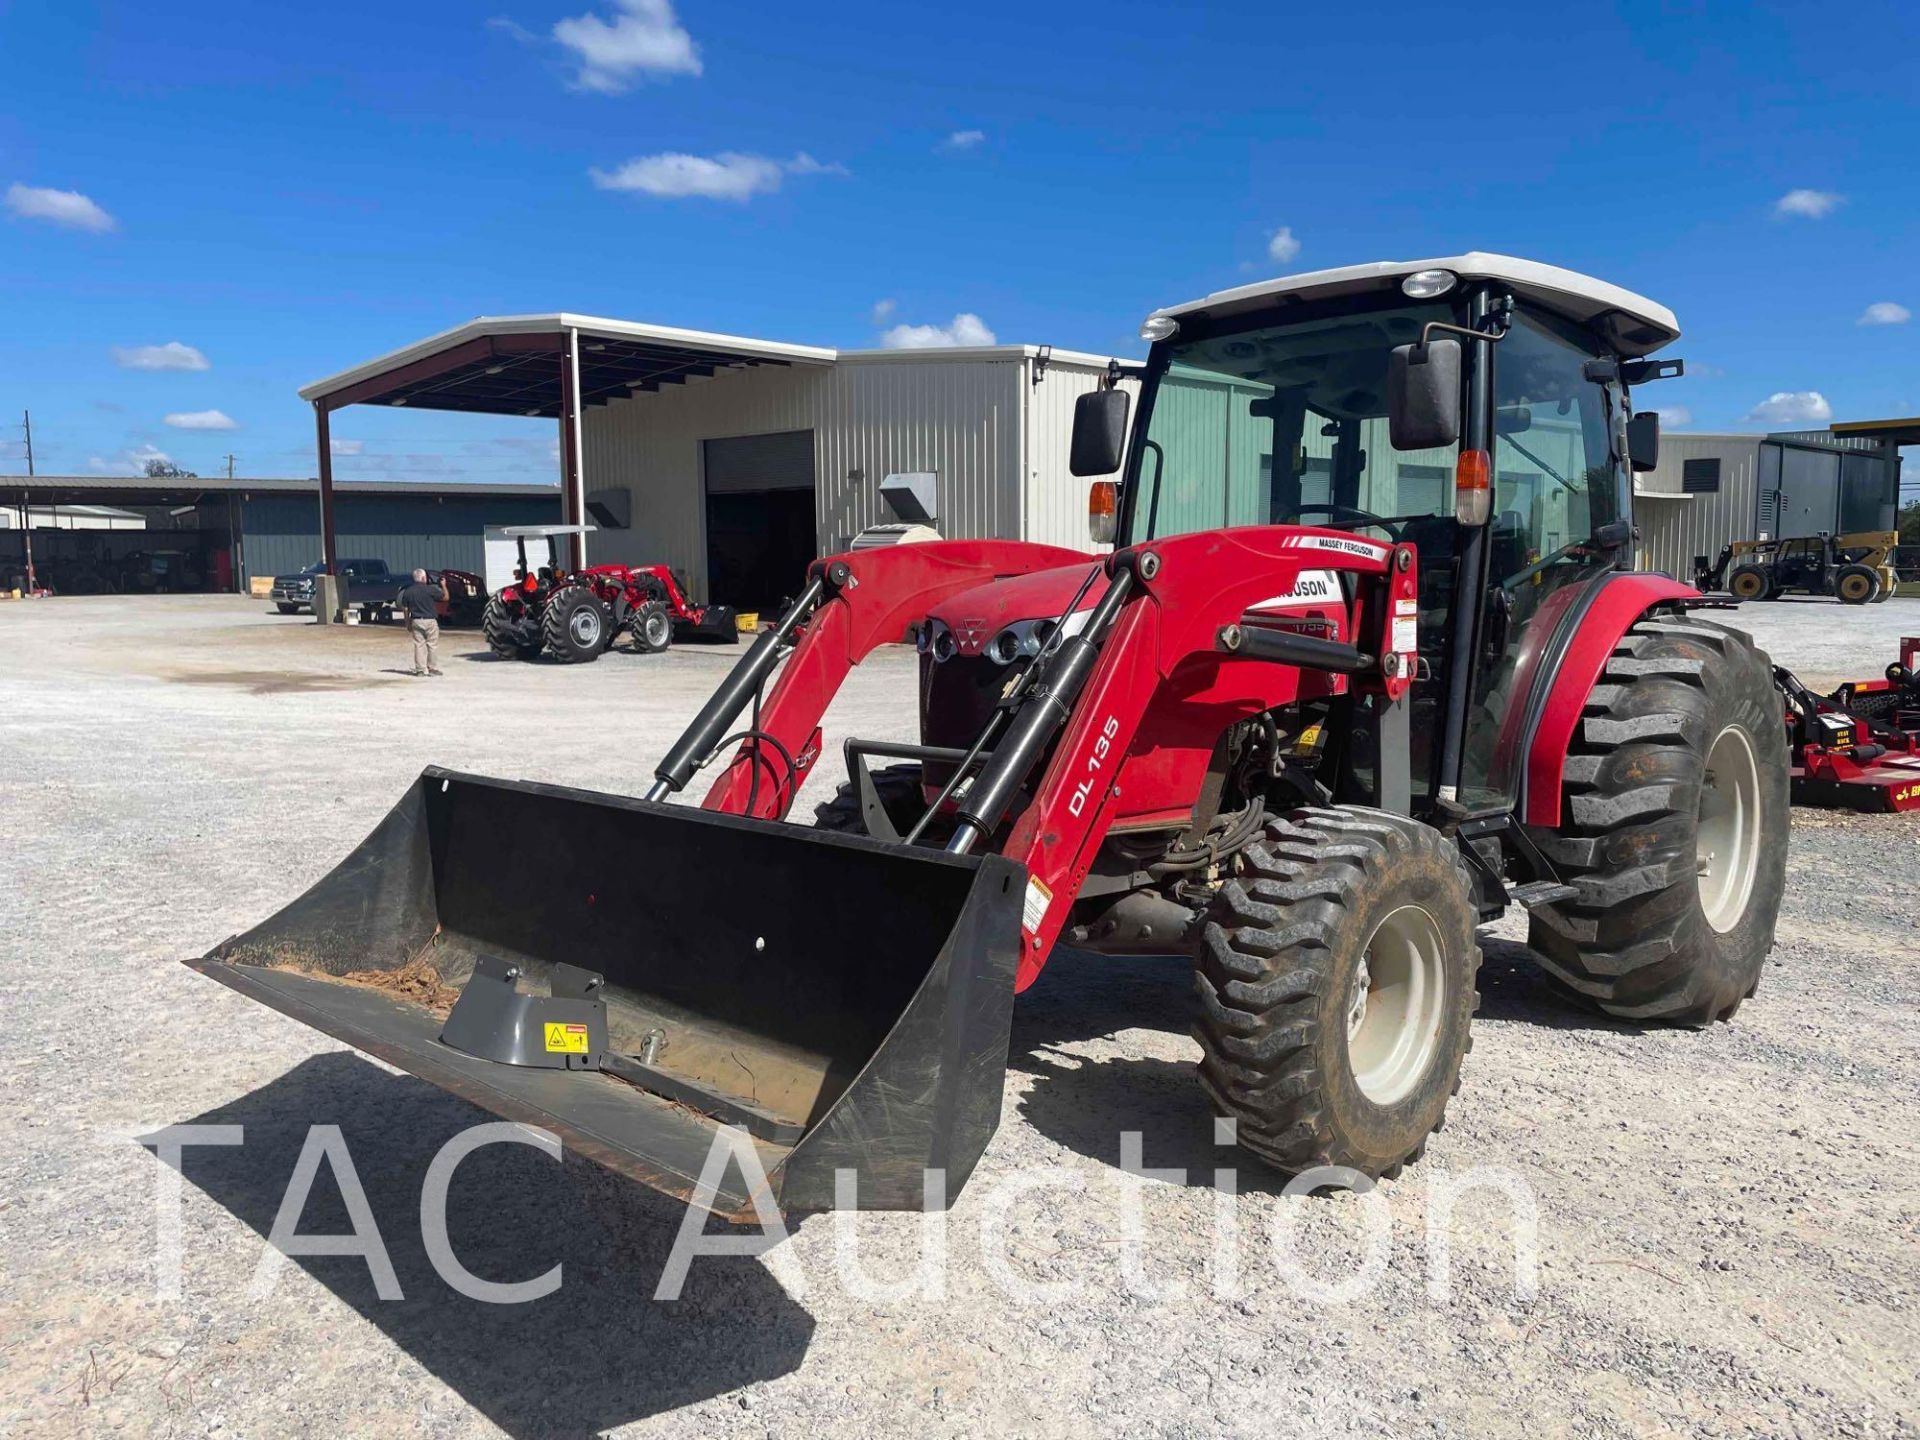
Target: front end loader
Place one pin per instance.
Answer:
(1368, 661)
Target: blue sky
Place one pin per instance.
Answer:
(282, 191)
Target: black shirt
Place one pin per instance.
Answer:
(420, 599)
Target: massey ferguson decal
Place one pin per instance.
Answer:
(1338, 545)
(1314, 587)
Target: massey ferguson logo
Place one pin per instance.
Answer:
(969, 635)
(1096, 762)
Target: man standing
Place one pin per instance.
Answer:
(421, 601)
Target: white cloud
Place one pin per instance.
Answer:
(202, 420)
(128, 462)
(1674, 417)
(58, 207)
(1884, 312)
(883, 310)
(1807, 204)
(1283, 247)
(727, 176)
(966, 329)
(170, 356)
(1793, 407)
(506, 25)
(964, 140)
(645, 38)
(346, 447)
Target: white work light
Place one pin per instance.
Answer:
(1425, 284)
(1159, 327)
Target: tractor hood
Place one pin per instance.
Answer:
(975, 616)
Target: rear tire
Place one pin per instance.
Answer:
(1856, 584)
(508, 638)
(1750, 582)
(575, 625)
(652, 626)
(1336, 990)
(1673, 829)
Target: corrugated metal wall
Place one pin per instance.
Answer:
(1675, 527)
(281, 533)
(1057, 499)
(960, 418)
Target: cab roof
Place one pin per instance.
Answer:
(1634, 324)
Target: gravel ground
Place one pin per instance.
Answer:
(1726, 1221)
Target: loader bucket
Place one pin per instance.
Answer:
(845, 1000)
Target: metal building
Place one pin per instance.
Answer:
(738, 460)
(190, 534)
(1710, 490)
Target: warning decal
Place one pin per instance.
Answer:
(1033, 908)
(566, 1039)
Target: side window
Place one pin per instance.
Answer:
(1553, 452)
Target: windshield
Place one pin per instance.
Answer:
(1286, 425)
(1312, 393)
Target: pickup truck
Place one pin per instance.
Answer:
(362, 582)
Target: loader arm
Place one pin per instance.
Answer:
(1185, 593)
(870, 598)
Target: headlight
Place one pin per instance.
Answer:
(942, 644)
(1004, 648)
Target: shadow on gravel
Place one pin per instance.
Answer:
(1514, 988)
(1085, 1104)
(599, 1352)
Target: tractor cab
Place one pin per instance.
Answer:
(1474, 408)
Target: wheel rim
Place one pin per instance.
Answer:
(656, 630)
(1746, 586)
(1396, 1005)
(1728, 835)
(584, 626)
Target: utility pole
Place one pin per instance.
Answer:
(229, 467)
(26, 422)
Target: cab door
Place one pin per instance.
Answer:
(1558, 478)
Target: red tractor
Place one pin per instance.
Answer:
(1369, 661)
(574, 615)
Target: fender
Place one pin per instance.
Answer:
(1590, 632)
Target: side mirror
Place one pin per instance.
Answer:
(1103, 509)
(1099, 432)
(1643, 440)
(1423, 395)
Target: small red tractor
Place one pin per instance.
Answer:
(1367, 663)
(574, 615)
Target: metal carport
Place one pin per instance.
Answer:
(535, 365)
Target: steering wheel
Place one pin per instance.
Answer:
(1362, 517)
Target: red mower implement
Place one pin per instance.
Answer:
(1368, 663)
(575, 615)
(1858, 747)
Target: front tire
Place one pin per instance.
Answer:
(508, 636)
(652, 626)
(1856, 584)
(1336, 990)
(1750, 582)
(1673, 829)
(288, 609)
(575, 625)
(898, 787)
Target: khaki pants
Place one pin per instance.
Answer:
(426, 644)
